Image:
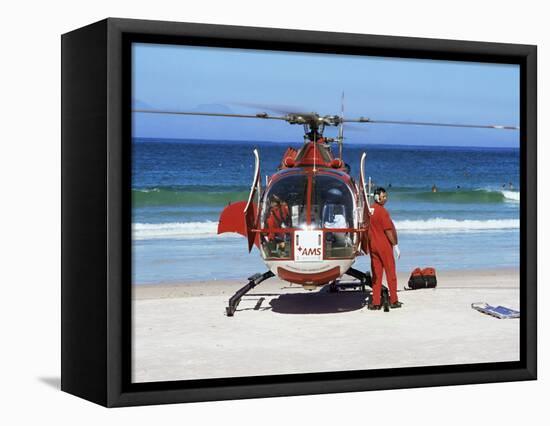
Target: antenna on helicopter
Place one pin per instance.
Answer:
(341, 130)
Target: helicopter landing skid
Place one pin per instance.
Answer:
(338, 286)
(366, 279)
(363, 277)
(253, 281)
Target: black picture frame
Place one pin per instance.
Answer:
(96, 226)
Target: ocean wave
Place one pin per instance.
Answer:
(204, 195)
(511, 195)
(215, 196)
(175, 230)
(209, 229)
(458, 196)
(453, 225)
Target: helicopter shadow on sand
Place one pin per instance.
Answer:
(323, 301)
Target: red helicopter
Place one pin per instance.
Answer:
(310, 222)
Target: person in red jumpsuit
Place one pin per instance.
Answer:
(278, 218)
(382, 245)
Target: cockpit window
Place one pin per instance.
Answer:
(284, 207)
(332, 207)
(332, 203)
(288, 195)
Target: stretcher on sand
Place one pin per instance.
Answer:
(500, 312)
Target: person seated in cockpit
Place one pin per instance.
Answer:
(336, 221)
(334, 210)
(335, 218)
(278, 218)
(282, 211)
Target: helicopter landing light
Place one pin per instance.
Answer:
(308, 246)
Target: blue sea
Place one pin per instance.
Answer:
(179, 188)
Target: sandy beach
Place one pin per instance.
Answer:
(181, 331)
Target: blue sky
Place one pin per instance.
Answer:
(186, 78)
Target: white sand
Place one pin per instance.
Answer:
(181, 331)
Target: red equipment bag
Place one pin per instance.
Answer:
(416, 280)
(429, 277)
(422, 278)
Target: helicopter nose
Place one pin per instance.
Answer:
(310, 279)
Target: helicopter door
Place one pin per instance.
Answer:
(363, 184)
(251, 209)
(367, 209)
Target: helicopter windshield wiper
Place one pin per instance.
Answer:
(426, 123)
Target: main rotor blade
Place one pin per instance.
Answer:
(279, 109)
(262, 115)
(296, 118)
(424, 123)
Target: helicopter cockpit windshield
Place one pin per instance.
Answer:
(332, 203)
(333, 209)
(284, 207)
(290, 205)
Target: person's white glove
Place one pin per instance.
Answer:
(396, 251)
